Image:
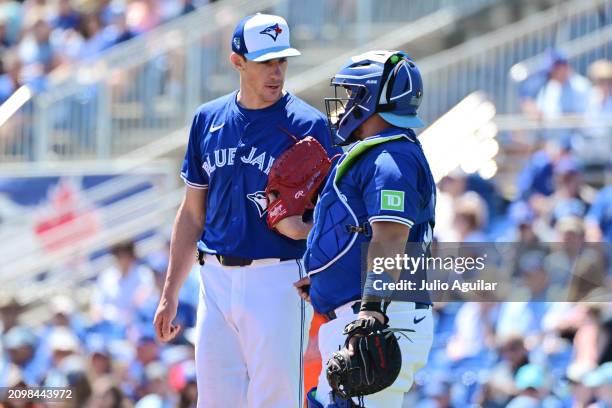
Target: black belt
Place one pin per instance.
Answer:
(236, 261)
(230, 260)
(331, 315)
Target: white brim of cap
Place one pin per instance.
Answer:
(272, 53)
(403, 121)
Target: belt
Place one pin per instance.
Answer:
(332, 314)
(233, 260)
(236, 261)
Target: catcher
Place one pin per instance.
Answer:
(380, 195)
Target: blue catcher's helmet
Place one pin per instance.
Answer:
(383, 82)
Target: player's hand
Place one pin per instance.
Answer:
(303, 288)
(166, 312)
(363, 314)
(377, 315)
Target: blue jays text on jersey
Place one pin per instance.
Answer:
(382, 178)
(231, 151)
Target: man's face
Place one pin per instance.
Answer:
(560, 72)
(264, 79)
(21, 355)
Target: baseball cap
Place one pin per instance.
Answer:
(63, 339)
(529, 376)
(19, 336)
(262, 37)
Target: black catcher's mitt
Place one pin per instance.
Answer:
(373, 367)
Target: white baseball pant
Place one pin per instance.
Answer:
(252, 330)
(402, 315)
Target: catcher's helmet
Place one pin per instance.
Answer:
(383, 82)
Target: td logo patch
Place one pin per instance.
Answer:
(392, 200)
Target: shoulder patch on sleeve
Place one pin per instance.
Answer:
(392, 200)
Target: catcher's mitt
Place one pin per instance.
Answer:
(295, 178)
(375, 364)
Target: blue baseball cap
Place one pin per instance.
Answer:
(530, 376)
(262, 37)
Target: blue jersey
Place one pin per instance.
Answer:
(231, 150)
(382, 178)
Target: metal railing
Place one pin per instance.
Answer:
(144, 89)
(482, 64)
(27, 250)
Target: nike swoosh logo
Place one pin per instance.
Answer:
(417, 321)
(215, 128)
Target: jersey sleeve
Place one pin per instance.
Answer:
(390, 189)
(192, 172)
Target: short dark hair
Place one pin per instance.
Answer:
(126, 247)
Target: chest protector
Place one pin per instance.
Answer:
(337, 228)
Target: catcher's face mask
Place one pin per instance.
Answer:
(345, 111)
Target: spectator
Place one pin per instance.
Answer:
(438, 392)
(107, 394)
(67, 17)
(565, 92)
(513, 356)
(5, 43)
(573, 262)
(123, 288)
(21, 344)
(63, 345)
(10, 310)
(157, 390)
(572, 195)
(94, 39)
(119, 31)
(100, 363)
(10, 81)
(142, 15)
(38, 55)
(11, 13)
(537, 178)
(600, 102)
(470, 218)
(523, 237)
(35, 10)
(473, 330)
(531, 384)
(599, 218)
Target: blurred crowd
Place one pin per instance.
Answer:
(553, 348)
(38, 36)
(537, 353)
(556, 90)
(105, 349)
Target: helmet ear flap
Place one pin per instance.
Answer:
(357, 109)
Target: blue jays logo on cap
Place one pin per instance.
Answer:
(258, 38)
(273, 31)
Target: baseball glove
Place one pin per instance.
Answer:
(375, 364)
(295, 178)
